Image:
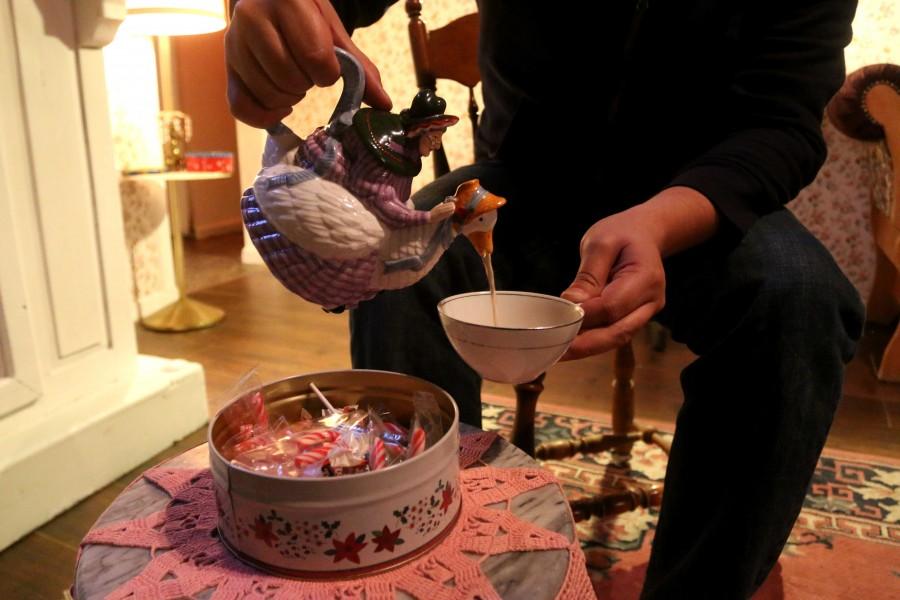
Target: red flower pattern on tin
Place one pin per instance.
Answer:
(386, 539)
(447, 497)
(263, 531)
(349, 548)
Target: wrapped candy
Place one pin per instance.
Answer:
(342, 441)
(377, 455)
(313, 456)
(428, 415)
(416, 441)
(317, 437)
(389, 439)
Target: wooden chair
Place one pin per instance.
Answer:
(451, 52)
(867, 107)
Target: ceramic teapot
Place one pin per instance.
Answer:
(330, 215)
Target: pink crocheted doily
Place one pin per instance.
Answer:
(187, 557)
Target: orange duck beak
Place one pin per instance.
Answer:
(474, 203)
(483, 242)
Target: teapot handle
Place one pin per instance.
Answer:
(351, 98)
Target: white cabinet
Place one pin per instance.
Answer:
(78, 405)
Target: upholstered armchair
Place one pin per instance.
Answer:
(853, 206)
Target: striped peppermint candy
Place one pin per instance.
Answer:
(377, 455)
(417, 442)
(314, 455)
(258, 404)
(314, 438)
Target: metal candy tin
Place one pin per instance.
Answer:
(339, 526)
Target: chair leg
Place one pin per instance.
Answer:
(618, 443)
(614, 503)
(526, 402)
(889, 368)
(625, 432)
(592, 444)
(623, 402)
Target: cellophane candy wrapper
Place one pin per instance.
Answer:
(265, 451)
(342, 441)
(350, 452)
(250, 416)
(428, 416)
(253, 405)
(389, 440)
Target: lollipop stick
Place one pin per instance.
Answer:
(322, 398)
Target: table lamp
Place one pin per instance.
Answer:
(161, 19)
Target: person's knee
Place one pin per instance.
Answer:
(802, 290)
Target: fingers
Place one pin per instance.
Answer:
(277, 61)
(245, 107)
(309, 36)
(277, 50)
(252, 74)
(596, 341)
(620, 285)
(597, 259)
(441, 212)
(639, 281)
(264, 82)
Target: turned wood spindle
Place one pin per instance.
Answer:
(623, 400)
(615, 503)
(526, 402)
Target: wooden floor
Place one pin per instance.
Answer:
(277, 334)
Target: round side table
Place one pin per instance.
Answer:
(185, 314)
(533, 575)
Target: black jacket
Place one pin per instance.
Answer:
(723, 96)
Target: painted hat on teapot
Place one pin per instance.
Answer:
(426, 113)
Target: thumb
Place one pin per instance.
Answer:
(376, 96)
(592, 274)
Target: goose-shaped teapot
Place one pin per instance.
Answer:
(330, 215)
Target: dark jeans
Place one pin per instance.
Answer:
(772, 319)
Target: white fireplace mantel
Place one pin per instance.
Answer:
(78, 405)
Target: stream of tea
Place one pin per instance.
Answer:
(489, 271)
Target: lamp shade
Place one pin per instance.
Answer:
(174, 17)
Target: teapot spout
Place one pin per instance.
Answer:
(483, 242)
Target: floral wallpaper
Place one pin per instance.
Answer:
(386, 43)
(837, 205)
(876, 34)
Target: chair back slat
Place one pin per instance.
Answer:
(448, 52)
(453, 51)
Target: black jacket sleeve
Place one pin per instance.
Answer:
(353, 13)
(360, 13)
(790, 64)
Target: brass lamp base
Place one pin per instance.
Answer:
(184, 314)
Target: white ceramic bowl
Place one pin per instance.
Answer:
(532, 332)
(339, 526)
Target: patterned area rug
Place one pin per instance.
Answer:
(845, 544)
